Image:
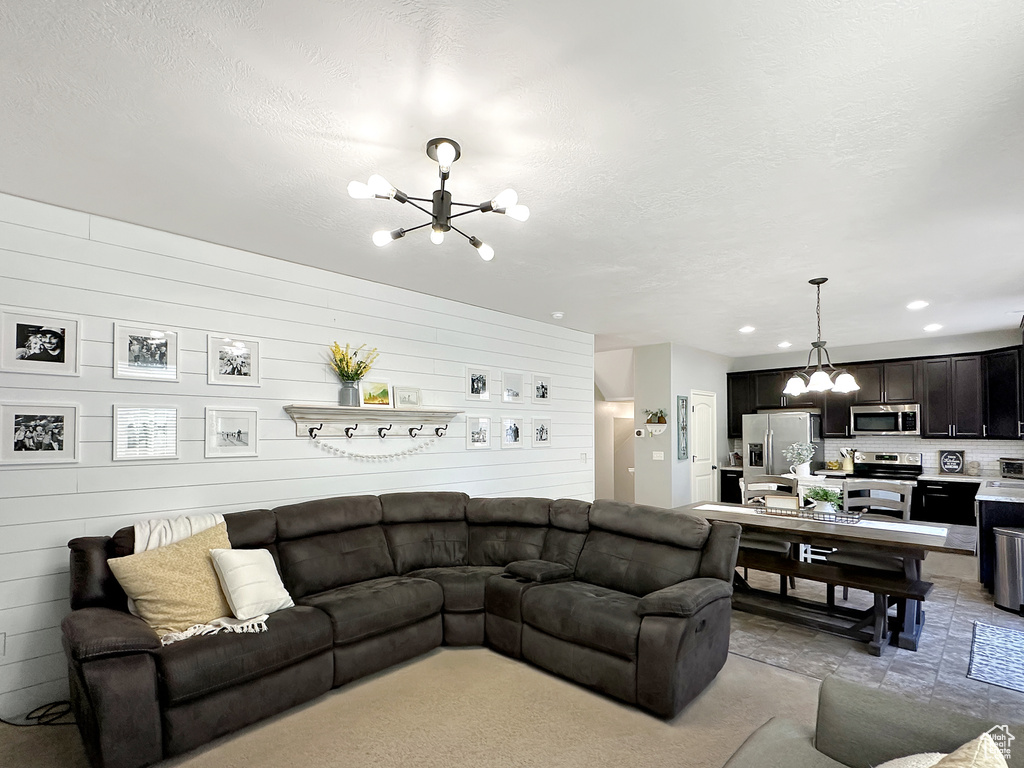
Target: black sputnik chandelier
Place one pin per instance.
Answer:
(444, 152)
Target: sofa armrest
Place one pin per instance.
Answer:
(92, 633)
(780, 744)
(683, 599)
(540, 571)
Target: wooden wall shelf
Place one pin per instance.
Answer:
(333, 420)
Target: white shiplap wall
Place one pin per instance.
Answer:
(102, 271)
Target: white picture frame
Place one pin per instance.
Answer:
(144, 432)
(38, 433)
(540, 389)
(478, 384)
(232, 361)
(39, 342)
(478, 433)
(375, 393)
(540, 434)
(142, 352)
(513, 432)
(232, 432)
(513, 386)
(407, 397)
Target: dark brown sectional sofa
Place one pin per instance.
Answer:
(629, 600)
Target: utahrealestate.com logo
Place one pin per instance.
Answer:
(1002, 737)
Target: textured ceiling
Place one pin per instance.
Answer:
(688, 165)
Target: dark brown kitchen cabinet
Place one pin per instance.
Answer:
(951, 405)
(768, 386)
(1002, 393)
(739, 388)
(949, 502)
(835, 414)
(894, 382)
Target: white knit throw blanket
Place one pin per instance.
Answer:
(150, 534)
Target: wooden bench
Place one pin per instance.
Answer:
(871, 625)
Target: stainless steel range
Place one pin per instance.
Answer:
(887, 466)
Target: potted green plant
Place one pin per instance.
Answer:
(350, 369)
(800, 454)
(825, 499)
(656, 417)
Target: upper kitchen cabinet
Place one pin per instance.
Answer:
(1002, 392)
(895, 382)
(951, 405)
(835, 413)
(768, 386)
(740, 395)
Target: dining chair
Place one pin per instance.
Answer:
(758, 487)
(877, 500)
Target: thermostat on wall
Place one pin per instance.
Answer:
(951, 462)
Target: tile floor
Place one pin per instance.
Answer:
(936, 672)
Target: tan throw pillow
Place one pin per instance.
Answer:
(980, 753)
(176, 586)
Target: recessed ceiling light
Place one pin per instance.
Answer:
(917, 304)
(558, 315)
(747, 329)
(933, 327)
(785, 344)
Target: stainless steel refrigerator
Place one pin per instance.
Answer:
(766, 435)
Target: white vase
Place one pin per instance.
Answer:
(801, 470)
(824, 506)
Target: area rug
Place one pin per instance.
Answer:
(997, 656)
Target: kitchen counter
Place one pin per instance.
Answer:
(939, 478)
(731, 469)
(1001, 490)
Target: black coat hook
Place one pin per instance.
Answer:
(439, 431)
(383, 431)
(350, 430)
(414, 430)
(314, 430)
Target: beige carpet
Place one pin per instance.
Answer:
(475, 708)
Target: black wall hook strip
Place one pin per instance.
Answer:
(314, 430)
(439, 431)
(414, 430)
(383, 431)
(350, 430)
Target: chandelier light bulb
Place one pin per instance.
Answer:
(505, 199)
(445, 156)
(820, 382)
(795, 386)
(436, 236)
(381, 186)
(359, 190)
(845, 383)
(518, 212)
(382, 237)
(485, 251)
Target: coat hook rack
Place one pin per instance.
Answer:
(383, 431)
(439, 431)
(350, 430)
(414, 430)
(314, 430)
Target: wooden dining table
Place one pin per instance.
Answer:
(910, 541)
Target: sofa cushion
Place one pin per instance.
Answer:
(428, 545)
(633, 565)
(570, 515)
(341, 513)
(563, 547)
(370, 608)
(318, 563)
(586, 614)
(502, 544)
(463, 585)
(652, 523)
(423, 506)
(207, 663)
(516, 510)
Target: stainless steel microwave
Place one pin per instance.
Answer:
(885, 419)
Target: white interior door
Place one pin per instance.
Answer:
(703, 446)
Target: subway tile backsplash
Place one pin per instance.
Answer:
(987, 452)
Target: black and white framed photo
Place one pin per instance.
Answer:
(478, 432)
(38, 433)
(145, 432)
(541, 433)
(233, 361)
(512, 387)
(478, 384)
(408, 397)
(513, 431)
(38, 342)
(231, 432)
(145, 353)
(541, 389)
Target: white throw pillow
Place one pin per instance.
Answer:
(923, 760)
(981, 752)
(250, 582)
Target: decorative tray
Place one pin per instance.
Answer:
(810, 513)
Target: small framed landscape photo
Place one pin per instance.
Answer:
(512, 386)
(145, 353)
(235, 362)
(541, 389)
(145, 432)
(478, 432)
(375, 393)
(541, 433)
(33, 342)
(478, 383)
(408, 397)
(513, 432)
(32, 433)
(231, 432)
